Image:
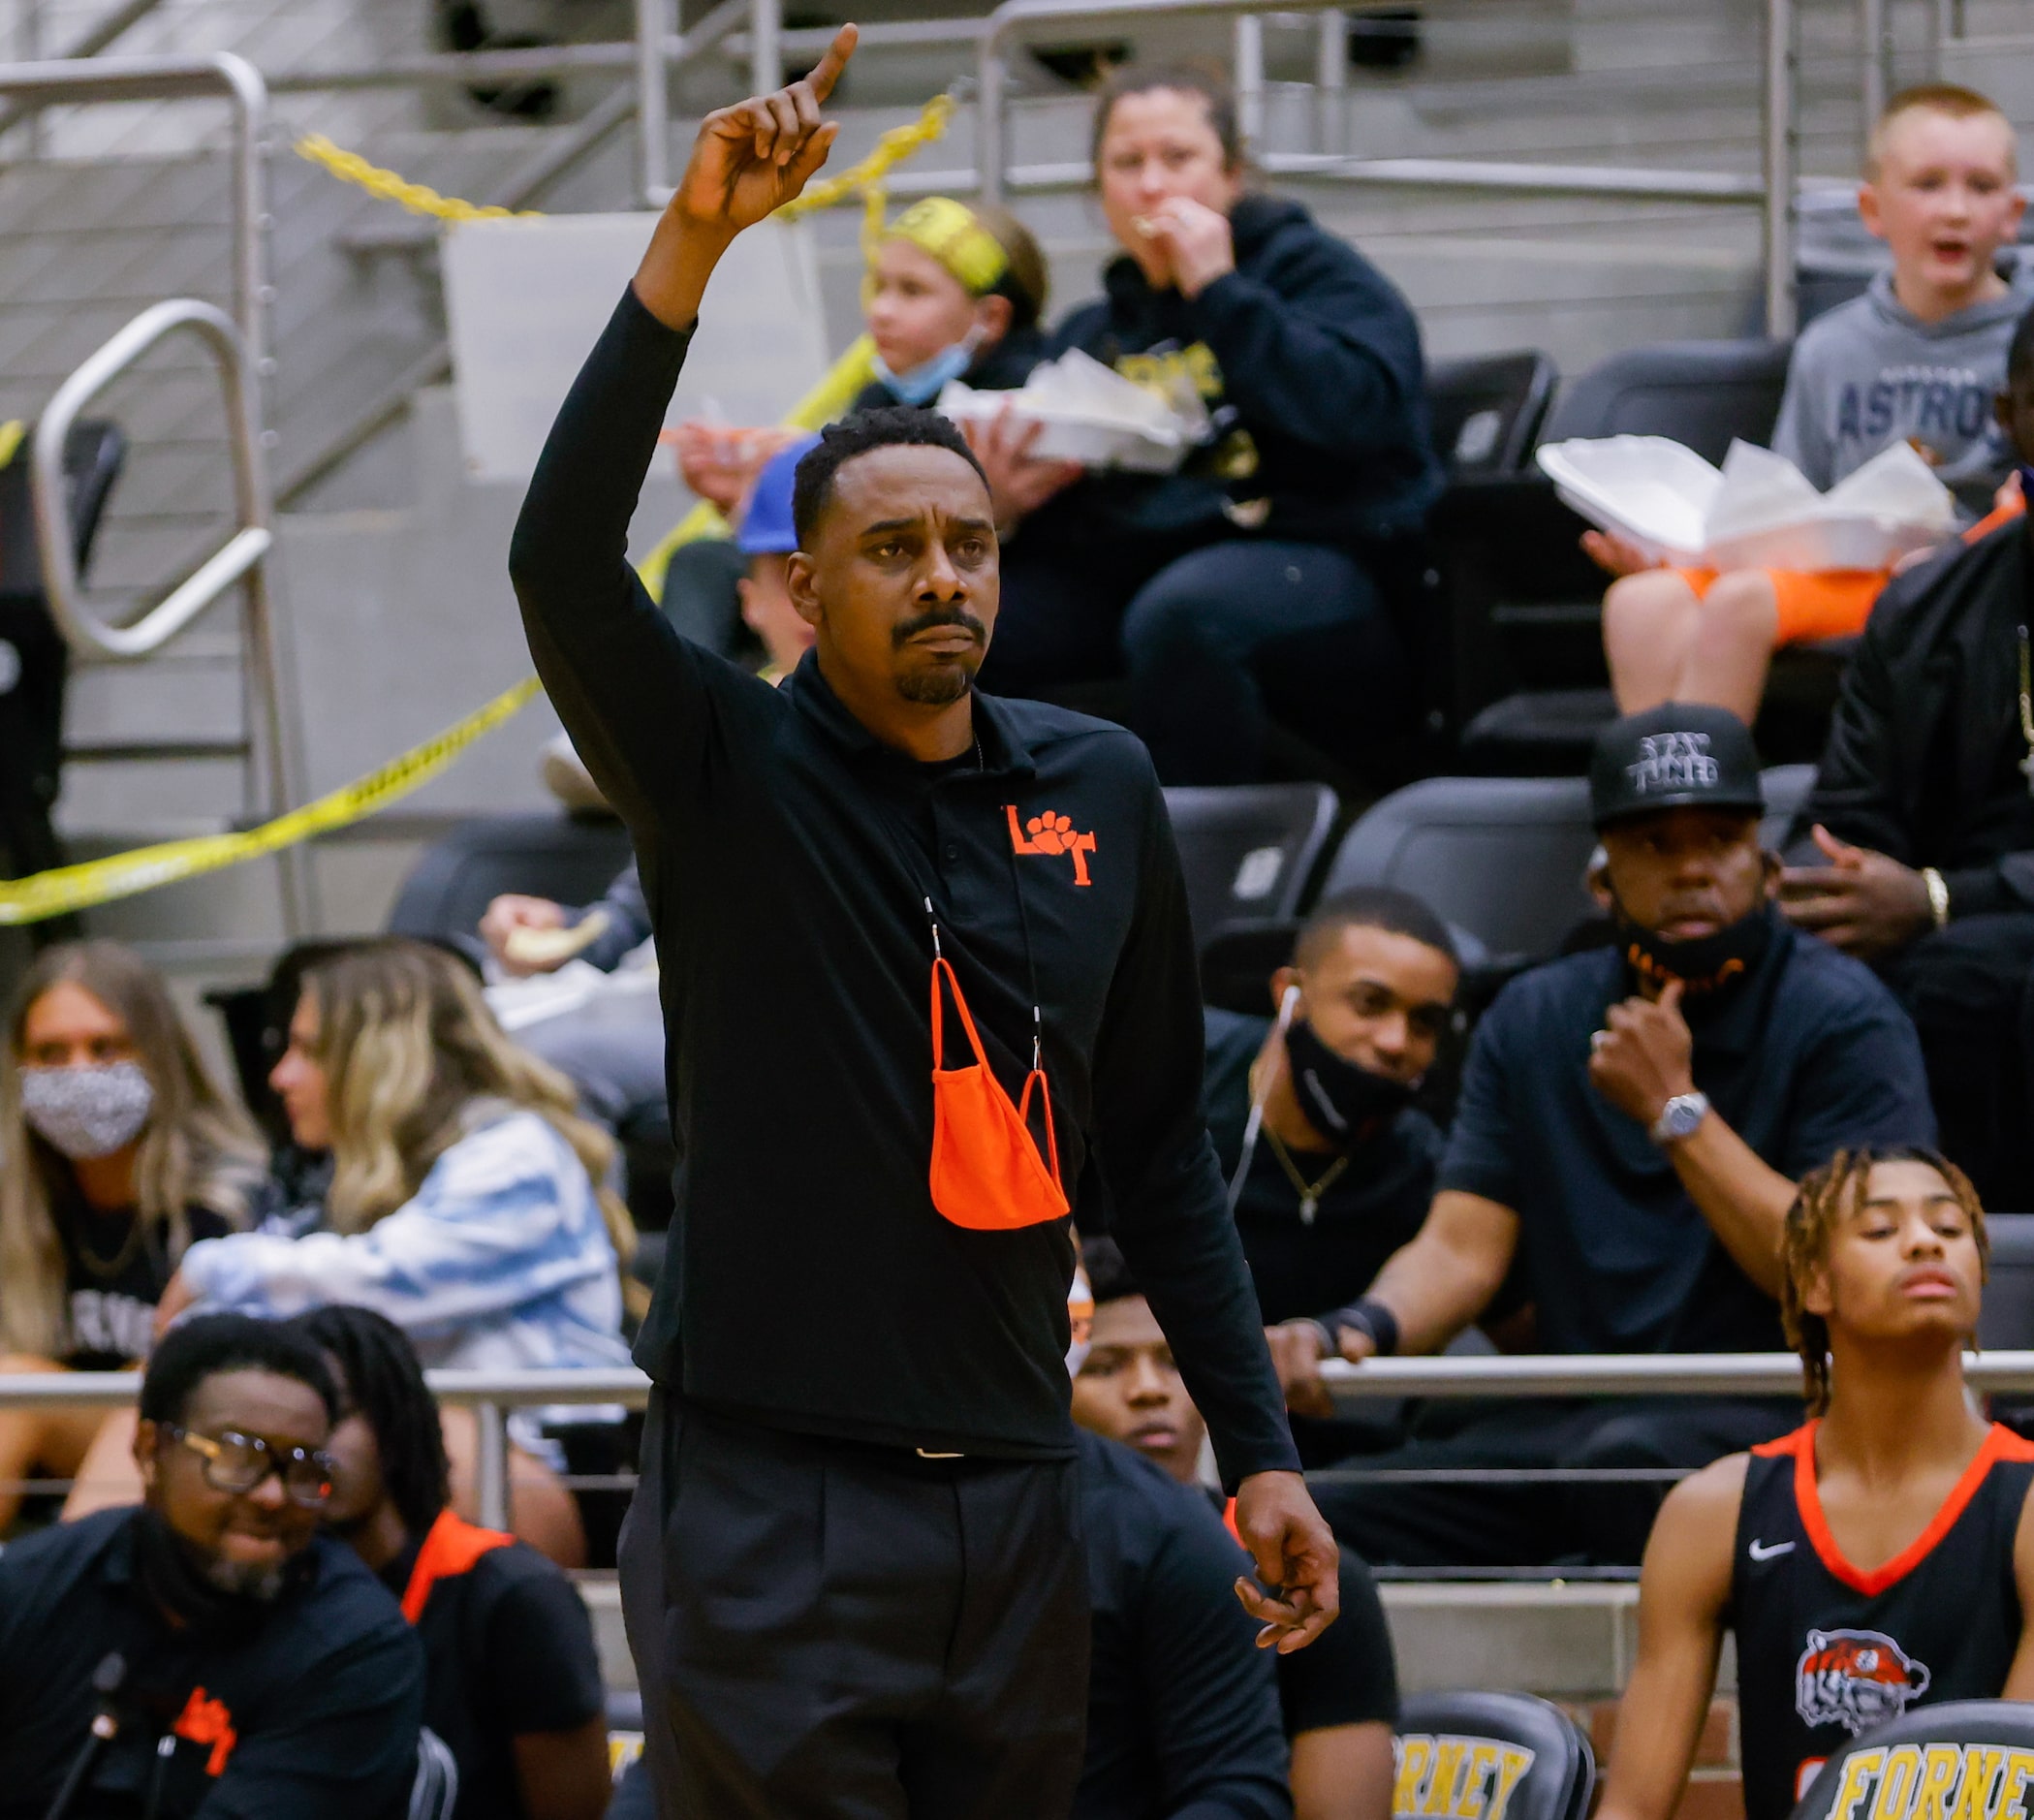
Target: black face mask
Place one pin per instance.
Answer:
(1339, 1098)
(1702, 964)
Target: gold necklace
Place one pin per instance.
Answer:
(100, 1266)
(1309, 1192)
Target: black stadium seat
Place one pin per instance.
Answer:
(2007, 1320)
(1501, 859)
(1485, 411)
(1522, 603)
(1249, 851)
(571, 860)
(1899, 1747)
(1490, 1756)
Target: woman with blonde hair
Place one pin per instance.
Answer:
(116, 1152)
(466, 1203)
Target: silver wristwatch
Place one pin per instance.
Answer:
(1678, 1117)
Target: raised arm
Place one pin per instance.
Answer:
(637, 700)
(1684, 1591)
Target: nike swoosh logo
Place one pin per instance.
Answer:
(1766, 1550)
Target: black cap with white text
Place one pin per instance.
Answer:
(1679, 754)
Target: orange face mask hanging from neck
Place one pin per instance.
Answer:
(987, 1172)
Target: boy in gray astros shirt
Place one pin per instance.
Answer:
(1918, 358)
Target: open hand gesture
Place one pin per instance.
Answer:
(747, 161)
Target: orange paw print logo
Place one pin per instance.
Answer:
(1051, 832)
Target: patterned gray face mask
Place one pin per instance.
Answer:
(88, 1112)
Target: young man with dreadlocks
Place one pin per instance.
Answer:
(1880, 1556)
(513, 1679)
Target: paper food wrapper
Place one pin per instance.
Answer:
(1091, 414)
(1758, 512)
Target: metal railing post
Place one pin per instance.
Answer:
(1248, 62)
(492, 1464)
(991, 77)
(652, 96)
(1332, 80)
(766, 47)
(1782, 164)
(1875, 49)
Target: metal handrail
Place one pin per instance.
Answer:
(1774, 191)
(657, 49)
(64, 83)
(86, 634)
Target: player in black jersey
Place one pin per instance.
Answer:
(1876, 1559)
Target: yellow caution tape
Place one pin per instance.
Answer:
(393, 187)
(10, 433)
(68, 888)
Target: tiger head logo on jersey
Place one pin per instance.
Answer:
(1856, 1679)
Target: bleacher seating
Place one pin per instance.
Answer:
(1486, 413)
(571, 860)
(1556, 1782)
(1521, 602)
(2007, 1723)
(2006, 1322)
(1249, 852)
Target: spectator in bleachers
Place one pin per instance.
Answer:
(512, 1682)
(1330, 1165)
(1303, 512)
(116, 1152)
(1917, 359)
(1632, 1122)
(1877, 1558)
(1176, 1703)
(954, 291)
(1915, 851)
(258, 1667)
(463, 1203)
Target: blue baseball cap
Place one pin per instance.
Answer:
(767, 529)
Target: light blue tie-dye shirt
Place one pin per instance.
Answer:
(500, 1261)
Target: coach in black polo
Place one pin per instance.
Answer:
(853, 1575)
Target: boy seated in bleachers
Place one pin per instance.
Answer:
(1878, 1558)
(1179, 1718)
(1918, 357)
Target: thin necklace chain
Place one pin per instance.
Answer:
(1309, 1192)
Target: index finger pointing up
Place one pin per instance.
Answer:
(822, 79)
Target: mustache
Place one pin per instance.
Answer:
(935, 617)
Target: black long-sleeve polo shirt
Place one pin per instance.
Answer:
(787, 856)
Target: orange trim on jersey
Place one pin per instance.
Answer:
(1999, 1443)
(450, 1550)
(1228, 1524)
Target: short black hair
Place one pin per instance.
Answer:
(881, 426)
(204, 1345)
(383, 1381)
(1109, 1277)
(2019, 352)
(1374, 908)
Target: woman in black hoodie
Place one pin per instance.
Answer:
(1302, 510)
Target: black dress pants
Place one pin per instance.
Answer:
(822, 1628)
(1512, 1524)
(1969, 989)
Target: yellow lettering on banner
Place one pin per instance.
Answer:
(1512, 1762)
(1897, 1782)
(1980, 1768)
(1938, 1781)
(2012, 1801)
(1414, 1753)
(1469, 1800)
(1858, 1773)
(1449, 1753)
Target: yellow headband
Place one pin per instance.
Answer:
(949, 230)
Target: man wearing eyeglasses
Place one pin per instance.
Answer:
(212, 1651)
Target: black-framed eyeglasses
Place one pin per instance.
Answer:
(238, 1462)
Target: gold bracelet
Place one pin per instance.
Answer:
(1938, 895)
